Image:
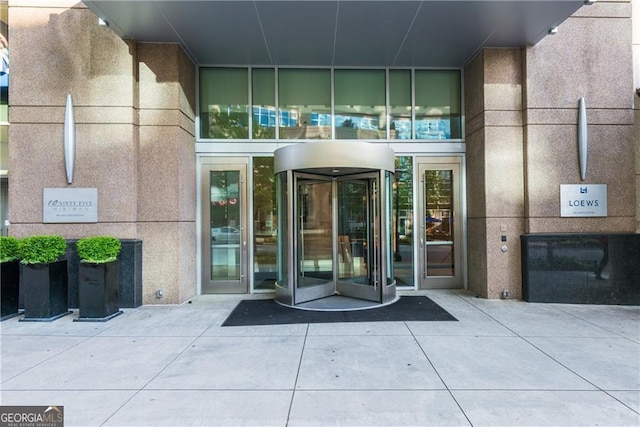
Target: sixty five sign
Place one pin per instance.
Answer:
(69, 205)
(578, 200)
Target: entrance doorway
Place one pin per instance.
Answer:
(335, 225)
(440, 259)
(338, 236)
(224, 219)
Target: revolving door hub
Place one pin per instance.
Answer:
(334, 225)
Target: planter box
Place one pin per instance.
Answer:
(130, 257)
(10, 288)
(98, 291)
(45, 288)
(581, 268)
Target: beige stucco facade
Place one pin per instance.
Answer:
(134, 111)
(521, 110)
(135, 114)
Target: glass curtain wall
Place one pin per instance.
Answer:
(4, 118)
(437, 109)
(400, 126)
(224, 103)
(403, 220)
(263, 95)
(305, 103)
(360, 104)
(323, 103)
(264, 223)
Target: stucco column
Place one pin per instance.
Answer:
(495, 195)
(166, 173)
(58, 48)
(636, 86)
(590, 57)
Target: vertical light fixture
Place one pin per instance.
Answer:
(69, 139)
(582, 138)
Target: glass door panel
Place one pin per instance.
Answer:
(314, 225)
(358, 246)
(224, 229)
(440, 242)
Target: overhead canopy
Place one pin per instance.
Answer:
(335, 32)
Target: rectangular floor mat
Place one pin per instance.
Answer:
(269, 312)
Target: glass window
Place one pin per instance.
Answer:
(403, 220)
(360, 104)
(305, 103)
(400, 104)
(264, 223)
(282, 231)
(224, 103)
(263, 92)
(437, 107)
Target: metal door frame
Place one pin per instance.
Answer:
(321, 290)
(207, 285)
(457, 281)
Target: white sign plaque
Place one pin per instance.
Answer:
(70, 205)
(583, 200)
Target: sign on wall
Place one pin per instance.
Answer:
(70, 205)
(584, 200)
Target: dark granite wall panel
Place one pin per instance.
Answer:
(130, 273)
(581, 268)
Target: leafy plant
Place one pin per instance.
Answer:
(98, 249)
(9, 248)
(42, 249)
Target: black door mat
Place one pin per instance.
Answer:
(269, 312)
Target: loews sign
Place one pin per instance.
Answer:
(586, 200)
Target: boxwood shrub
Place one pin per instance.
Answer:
(98, 249)
(9, 248)
(42, 249)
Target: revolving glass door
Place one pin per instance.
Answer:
(334, 225)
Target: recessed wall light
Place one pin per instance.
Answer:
(553, 30)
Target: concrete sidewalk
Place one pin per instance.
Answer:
(504, 362)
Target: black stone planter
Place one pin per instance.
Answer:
(10, 288)
(98, 291)
(45, 288)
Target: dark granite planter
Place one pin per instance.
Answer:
(10, 288)
(45, 288)
(98, 291)
(130, 287)
(581, 268)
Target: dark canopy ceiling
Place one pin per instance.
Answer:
(334, 32)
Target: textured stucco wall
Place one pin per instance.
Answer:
(134, 112)
(589, 57)
(495, 194)
(521, 135)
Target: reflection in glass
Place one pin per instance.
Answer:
(304, 103)
(264, 223)
(360, 104)
(400, 104)
(224, 103)
(263, 94)
(439, 222)
(403, 220)
(353, 233)
(225, 225)
(282, 231)
(315, 253)
(437, 109)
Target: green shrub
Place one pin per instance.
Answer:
(42, 249)
(9, 248)
(98, 249)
